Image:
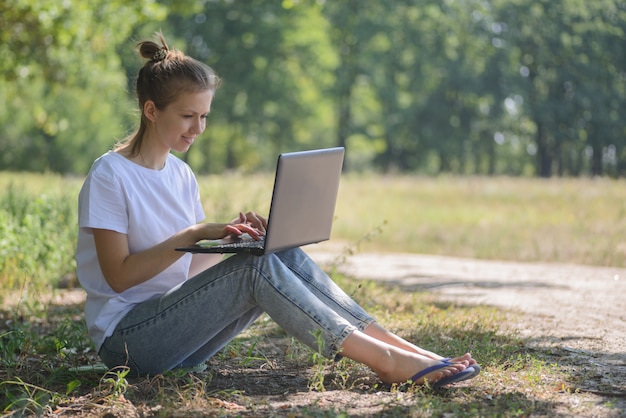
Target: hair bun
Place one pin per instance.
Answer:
(156, 50)
(160, 55)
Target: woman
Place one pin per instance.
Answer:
(152, 308)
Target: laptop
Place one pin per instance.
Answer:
(302, 209)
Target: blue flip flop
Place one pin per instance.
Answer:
(475, 366)
(427, 370)
(457, 377)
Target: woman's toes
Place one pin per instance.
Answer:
(465, 359)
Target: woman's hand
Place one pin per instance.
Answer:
(251, 223)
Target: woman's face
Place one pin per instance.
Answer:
(177, 126)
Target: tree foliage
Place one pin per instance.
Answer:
(513, 87)
(61, 79)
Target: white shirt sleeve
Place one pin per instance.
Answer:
(103, 204)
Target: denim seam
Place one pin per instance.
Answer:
(313, 317)
(364, 322)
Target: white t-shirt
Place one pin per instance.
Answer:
(147, 205)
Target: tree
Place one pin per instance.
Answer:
(570, 66)
(61, 80)
(273, 59)
(487, 87)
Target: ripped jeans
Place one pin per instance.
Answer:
(191, 323)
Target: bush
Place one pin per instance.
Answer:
(37, 236)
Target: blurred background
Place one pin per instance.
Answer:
(483, 87)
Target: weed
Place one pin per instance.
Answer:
(11, 344)
(114, 381)
(246, 352)
(319, 363)
(251, 356)
(70, 338)
(344, 373)
(296, 350)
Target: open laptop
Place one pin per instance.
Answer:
(302, 209)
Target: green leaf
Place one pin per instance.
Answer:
(72, 386)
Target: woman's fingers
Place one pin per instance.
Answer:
(257, 221)
(243, 228)
(253, 219)
(251, 223)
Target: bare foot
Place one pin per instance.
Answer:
(405, 366)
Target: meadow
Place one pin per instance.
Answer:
(45, 356)
(579, 221)
(556, 220)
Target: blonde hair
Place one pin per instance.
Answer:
(166, 75)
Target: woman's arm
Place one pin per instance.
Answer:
(123, 270)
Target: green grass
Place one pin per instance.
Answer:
(43, 346)
(559, 220)
(37, 231)
(579, 221)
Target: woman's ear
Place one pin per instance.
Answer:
(149, 110)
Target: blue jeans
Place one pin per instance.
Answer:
(191, 323)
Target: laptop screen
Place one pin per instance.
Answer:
(304, 198)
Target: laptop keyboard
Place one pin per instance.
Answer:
(244, 244)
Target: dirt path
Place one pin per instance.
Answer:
(581, 310)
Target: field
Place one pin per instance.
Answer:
(45, 356)
(560, 220)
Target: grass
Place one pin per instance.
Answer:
(579, 221)
(37, 231)
(41, 373)
(44, 348)
(560, 220)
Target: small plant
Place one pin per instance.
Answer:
(251, 356)
(70, 338)
(116, 381)
(355, 247)
(341, 372)
(11, 344)
(248, 353)
(319, 362)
